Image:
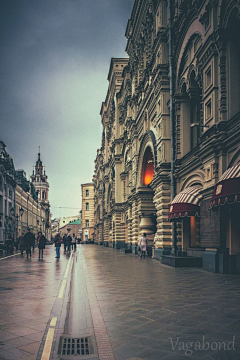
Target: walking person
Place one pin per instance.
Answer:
(69, 241)
(74, 242)
(41, 241)
(57, 242)
(28, 241)
(143, 245)
(16, 243)
(33, 243)
(21, 243)
(65, 242)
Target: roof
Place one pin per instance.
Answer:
(76, 222)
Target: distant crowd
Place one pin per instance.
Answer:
(28, 241)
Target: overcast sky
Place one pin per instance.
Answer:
(54, 61)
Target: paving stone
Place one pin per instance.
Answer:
(135, 315)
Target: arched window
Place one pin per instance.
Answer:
(87, 206)
(233, 65)
(87, 192)
(191, 115)
(147, 167)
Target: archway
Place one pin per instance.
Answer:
(145, 192)
(147, 167)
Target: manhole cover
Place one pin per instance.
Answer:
(75, 346)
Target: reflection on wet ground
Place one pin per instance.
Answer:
(131, 308)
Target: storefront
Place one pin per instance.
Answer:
(226, 200)
(185, 210)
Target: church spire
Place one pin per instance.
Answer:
(39, 153)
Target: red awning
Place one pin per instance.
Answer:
(186, 203)
(227, 189)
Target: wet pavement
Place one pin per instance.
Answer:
(100, 303)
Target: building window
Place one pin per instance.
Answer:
(208, 77)
(43, 195)
(208, 109)
(87, 223)
(87, 206)
(148, 167)
(207, 21)
(87, 192)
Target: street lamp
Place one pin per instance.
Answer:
(21, 211)
(12, 212)
(43, 222)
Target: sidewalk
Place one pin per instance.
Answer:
(27, 293)
(129, 308)
(152, 311)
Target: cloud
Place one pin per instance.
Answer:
(54, 65)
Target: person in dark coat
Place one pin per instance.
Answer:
(57, 242)
(28, 241)
(69, 242)
(65, 242)
(21, 243)
(41, 240)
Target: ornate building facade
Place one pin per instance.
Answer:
(41, 185)
(168, 164)
(87, 213)
(7, 195)
(19, 206)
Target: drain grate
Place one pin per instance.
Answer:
(75, 346)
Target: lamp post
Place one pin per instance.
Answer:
(16, 217)
(12, 212)
(43, 222)
(37, 225)
(21, 211)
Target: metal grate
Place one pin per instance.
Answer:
(75, 346)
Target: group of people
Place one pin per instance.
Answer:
(68, 243)
(27, 242)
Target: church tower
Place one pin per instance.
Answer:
(39, 180)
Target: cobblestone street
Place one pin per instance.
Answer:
(127, 308)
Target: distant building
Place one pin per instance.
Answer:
(169, 161)
(87, 211)
(19, 206)
(73, 227)
(40, 181)
(30, 213)
(7, 194)
(66, 220)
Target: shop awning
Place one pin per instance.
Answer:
(186, 203)
(227, 189)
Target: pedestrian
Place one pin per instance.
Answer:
(16, 243)
(9, 244)
(33, 243)
(28, 241)
(143, 245)
(65, 242)
(57, 242)
(74, 242)
(69, 241)
(21, 243)
(41, 241)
